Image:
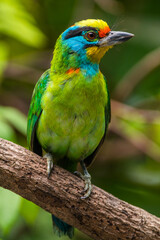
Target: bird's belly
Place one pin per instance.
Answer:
(69, 133)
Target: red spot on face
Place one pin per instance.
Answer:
(77, 70)
(103, 32)
(73, 70)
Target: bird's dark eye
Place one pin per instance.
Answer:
(90, 36)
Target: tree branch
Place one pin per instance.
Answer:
(101, 216)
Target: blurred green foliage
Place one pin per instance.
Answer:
(128, 165)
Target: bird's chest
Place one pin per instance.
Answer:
(73, 114)
(72, 121)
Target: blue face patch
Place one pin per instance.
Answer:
(76, 39)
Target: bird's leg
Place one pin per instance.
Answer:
(87, 180)
(49, 158)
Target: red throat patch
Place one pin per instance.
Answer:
(73, 70)
(103, 32)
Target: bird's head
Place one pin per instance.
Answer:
(86, 42)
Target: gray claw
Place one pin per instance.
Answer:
(88, 186)
(49, 158)
(87, 183)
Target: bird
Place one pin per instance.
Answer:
(70, 107)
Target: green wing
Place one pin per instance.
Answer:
(107, 110)
(34, 113)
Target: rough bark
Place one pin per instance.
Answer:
(101, 216)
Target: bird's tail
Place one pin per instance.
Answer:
(61, 228)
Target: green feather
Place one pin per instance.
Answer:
(35, 108)
(72, 122)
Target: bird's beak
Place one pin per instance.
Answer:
(114, 38)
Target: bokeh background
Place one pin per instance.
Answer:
(128, 165)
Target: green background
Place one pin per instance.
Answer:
(128, 165)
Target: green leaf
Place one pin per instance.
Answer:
(15, 118)
(16, 22)
(29, 211)
(6, 131)
(9, 208)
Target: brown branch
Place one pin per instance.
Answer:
(101, 216)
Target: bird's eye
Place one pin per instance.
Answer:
(90, 36)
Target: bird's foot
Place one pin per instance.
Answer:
(87, 183)
(49, 158)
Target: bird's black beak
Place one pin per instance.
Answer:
(114, 38)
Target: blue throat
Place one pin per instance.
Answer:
(90, 69)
